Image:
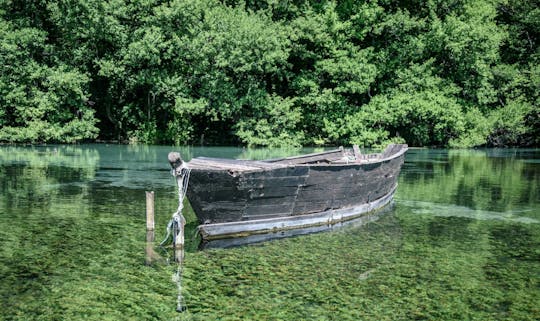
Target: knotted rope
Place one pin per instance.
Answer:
(177, 221)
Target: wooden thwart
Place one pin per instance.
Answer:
(326, 156)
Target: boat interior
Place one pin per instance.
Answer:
(340, 156)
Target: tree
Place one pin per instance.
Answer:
(40, 100)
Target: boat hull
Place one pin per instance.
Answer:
(271, 225)
(232, 203)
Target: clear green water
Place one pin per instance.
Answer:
(461, 243)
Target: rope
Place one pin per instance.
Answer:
(177, 220)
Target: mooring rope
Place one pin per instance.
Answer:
(182, 181)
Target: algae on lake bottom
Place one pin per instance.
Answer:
(461, 243)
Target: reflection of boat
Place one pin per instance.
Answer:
(234, 198)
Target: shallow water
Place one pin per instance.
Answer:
(461, 242)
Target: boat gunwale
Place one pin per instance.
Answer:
(401, 152)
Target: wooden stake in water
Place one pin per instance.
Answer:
(150, 211)
(151, 255)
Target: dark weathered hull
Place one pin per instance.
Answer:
(238, 202)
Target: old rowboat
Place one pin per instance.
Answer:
(234, 198)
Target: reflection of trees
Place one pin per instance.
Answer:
(476, 179)
(481, 268)
(124, 156)
(43, 156)
(466, 268)
(42, 206)
(33, 177)
(68, 243)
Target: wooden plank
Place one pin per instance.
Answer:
(272, 191)
(239, 162)
(326, 156)
(394, 151)
(318, 193)
(299, 170)
(212, 177)
(221, 212)
(256, 210)
(330, 175)
(290, 181)
(204, 188)
(290, 199)
(199, 163)
(224, 205)
(311, 206)
(230, 195)
(357, 154)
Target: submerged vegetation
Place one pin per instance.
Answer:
(402, 267)
(455, 73)
(461, 243)
(470, 252)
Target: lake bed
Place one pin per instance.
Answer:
(461, 241)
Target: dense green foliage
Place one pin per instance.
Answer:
(273, 72)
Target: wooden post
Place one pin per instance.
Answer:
(151, 255)
(150, 211)
(357, 154)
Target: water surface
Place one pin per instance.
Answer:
(461, 242)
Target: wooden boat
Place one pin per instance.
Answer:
(233, 198)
